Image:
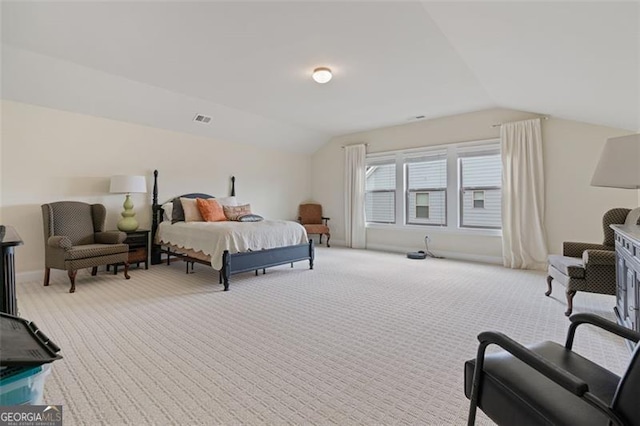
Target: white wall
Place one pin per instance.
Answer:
(51, 155)
(571, 150)
(574, 208)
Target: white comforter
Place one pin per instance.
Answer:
(213, 238)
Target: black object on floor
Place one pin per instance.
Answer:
(22, 343)
(417, 255)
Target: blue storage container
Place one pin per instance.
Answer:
(23, 385)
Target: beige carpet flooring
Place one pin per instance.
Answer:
(366, 338)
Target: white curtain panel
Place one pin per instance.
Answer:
(355, 156)
(523, 239)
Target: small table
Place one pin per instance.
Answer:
(138, 242)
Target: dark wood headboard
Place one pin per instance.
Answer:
(157, 211)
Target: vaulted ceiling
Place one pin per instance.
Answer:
(248, 64)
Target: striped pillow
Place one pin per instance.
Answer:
(234, 212)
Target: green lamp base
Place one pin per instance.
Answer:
(128, 223)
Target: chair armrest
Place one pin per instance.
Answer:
(563, 378)
(110, 237)
(59, 241)
(573, 249)
(325, 220)
(604, 324)
(599, 257)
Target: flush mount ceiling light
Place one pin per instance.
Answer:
(322, 75)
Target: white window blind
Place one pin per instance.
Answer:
(380, 191)
(426, 196)
(480, 187)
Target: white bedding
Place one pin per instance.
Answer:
(213, 238)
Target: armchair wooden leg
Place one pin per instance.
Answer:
(126, 270)
(328, 238)
(47, 273)
(320, 241)
(94, 271)
(570, 294)
(549, 279)
(72, 278)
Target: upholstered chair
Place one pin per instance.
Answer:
(549, 384)
(74, 239)
(586, 266)
(313, 221)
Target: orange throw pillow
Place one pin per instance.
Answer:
(210, 210)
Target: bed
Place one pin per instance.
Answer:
(228, 247)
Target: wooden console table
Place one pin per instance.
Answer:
(627, 275)
(9, 239)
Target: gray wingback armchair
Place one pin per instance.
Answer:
(74, 239)
(586, 266)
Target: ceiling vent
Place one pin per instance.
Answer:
(199, 118)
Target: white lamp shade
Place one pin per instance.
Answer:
(128, 184)
(619, 165)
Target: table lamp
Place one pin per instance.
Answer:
(128, 185)
(619, 167)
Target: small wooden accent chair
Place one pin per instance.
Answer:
(75, 239)
(587, 267)
(313, 221)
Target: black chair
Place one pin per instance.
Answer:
(549, 384)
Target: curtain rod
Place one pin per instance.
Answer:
(544, 117)
(353, 144)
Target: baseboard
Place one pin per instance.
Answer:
(38, 275)
(446, 254)
(28, 276)
(333, 242)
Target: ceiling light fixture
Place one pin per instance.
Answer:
(322, 75)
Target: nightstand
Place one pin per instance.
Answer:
(138, 248)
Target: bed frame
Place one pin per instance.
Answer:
(232, 263)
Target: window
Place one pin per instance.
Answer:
(422, 205)
(427, 189)
(450, 186)
(480, 188)
(478, 199)
(380, 192)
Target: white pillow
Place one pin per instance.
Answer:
(227, 201)
(168, 211)
(191, 210)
